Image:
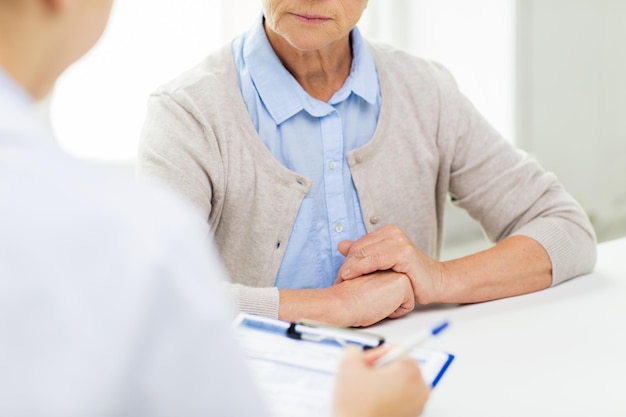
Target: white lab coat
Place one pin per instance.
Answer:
(109, 301)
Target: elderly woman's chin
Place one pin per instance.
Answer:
(311, 26)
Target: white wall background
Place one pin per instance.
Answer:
(572, 100)
(99, 104)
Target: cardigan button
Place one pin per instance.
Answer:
(359, 159)
(374, 219)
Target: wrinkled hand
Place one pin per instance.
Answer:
(394, 390)
(374, 297)
(388, 248)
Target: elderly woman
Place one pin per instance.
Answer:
(322, 163)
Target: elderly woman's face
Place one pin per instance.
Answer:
(312, 24)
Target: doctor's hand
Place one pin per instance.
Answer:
(394, 390)
(388, 248)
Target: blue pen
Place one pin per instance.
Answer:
(409, 344)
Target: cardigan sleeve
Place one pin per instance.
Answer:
(509, 193)
(170, 149)
(263, 301)
(176, 149)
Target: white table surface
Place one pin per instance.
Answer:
(557, 352)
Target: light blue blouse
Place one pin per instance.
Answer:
(312, 138)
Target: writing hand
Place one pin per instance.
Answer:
(396, 390)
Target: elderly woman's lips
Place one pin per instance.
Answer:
(311, 19)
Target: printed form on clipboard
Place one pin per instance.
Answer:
(294, 364)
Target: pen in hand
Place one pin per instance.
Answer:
(404, 348)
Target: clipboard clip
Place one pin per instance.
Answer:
(313, 331)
